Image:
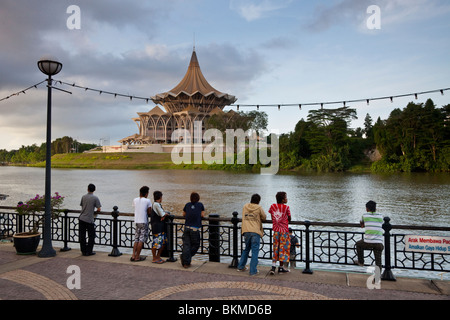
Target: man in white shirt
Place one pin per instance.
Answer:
(142, 209)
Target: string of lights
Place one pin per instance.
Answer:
(345, 102)
(257, 106)
(23, 91)
(321, 104)
(115, 94)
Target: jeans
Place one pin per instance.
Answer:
(252, 241)
(377, 251)
(86, 248)
(191, 243)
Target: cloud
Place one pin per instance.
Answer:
(252, 10)
(354, 13)
(339, 13)
(143, 68)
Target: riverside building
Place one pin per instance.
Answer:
(193, 99)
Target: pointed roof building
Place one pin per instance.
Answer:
(191, 100)
(193, 90)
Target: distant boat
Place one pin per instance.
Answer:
(3, 196)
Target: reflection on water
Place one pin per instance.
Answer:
(419, 198)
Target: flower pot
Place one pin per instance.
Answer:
(26, 242)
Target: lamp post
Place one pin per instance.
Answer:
(50, 67)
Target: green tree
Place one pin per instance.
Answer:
(238, 120)
(329, 130)
(258, 121)
(414, 139)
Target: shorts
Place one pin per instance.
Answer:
(141, 233)
(159, 240)
(281, 246)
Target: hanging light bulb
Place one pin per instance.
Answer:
(278, 107)
(367, 101)
(300, 107)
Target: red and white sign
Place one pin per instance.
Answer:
(429, 244)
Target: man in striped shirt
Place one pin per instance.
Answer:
(372, 222)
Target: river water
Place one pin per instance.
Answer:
(415, 199)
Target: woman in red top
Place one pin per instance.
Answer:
(281, 216)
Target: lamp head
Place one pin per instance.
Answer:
(49, 65)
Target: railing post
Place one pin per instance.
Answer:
(307, 269)
(19, 221)
(115, 233)
(214, 238)
(235, 221)
(387, 273)
(65, 231)
(170, 238)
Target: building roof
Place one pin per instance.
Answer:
(216, 110)
(189, 110)
(156, 111)
(192, 83)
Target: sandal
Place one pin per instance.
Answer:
(160, 261)
(140, 259)
(282, 270)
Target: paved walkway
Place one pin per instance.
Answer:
(117, 278)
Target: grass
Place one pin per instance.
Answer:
(111, 161)
(140, 161)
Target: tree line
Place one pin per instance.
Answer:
(416, 138)
(35, 153)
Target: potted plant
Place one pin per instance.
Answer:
(27, 242)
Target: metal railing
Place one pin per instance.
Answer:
(221, 238)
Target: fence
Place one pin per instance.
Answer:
(221, 238)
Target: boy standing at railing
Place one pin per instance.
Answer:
(372, 222)
(89, 202)
(281, 216)
(142, 209)
(193, 212)
(252, 217)
(158, 224)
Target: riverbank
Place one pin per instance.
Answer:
(140, 161)
(134, 161)
(110, 161)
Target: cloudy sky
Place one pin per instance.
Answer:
(263, 52)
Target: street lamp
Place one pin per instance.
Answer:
(49, 66)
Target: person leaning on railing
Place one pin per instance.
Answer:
(193, 212)
(252, 217)
(89, 202)
(372, 222)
